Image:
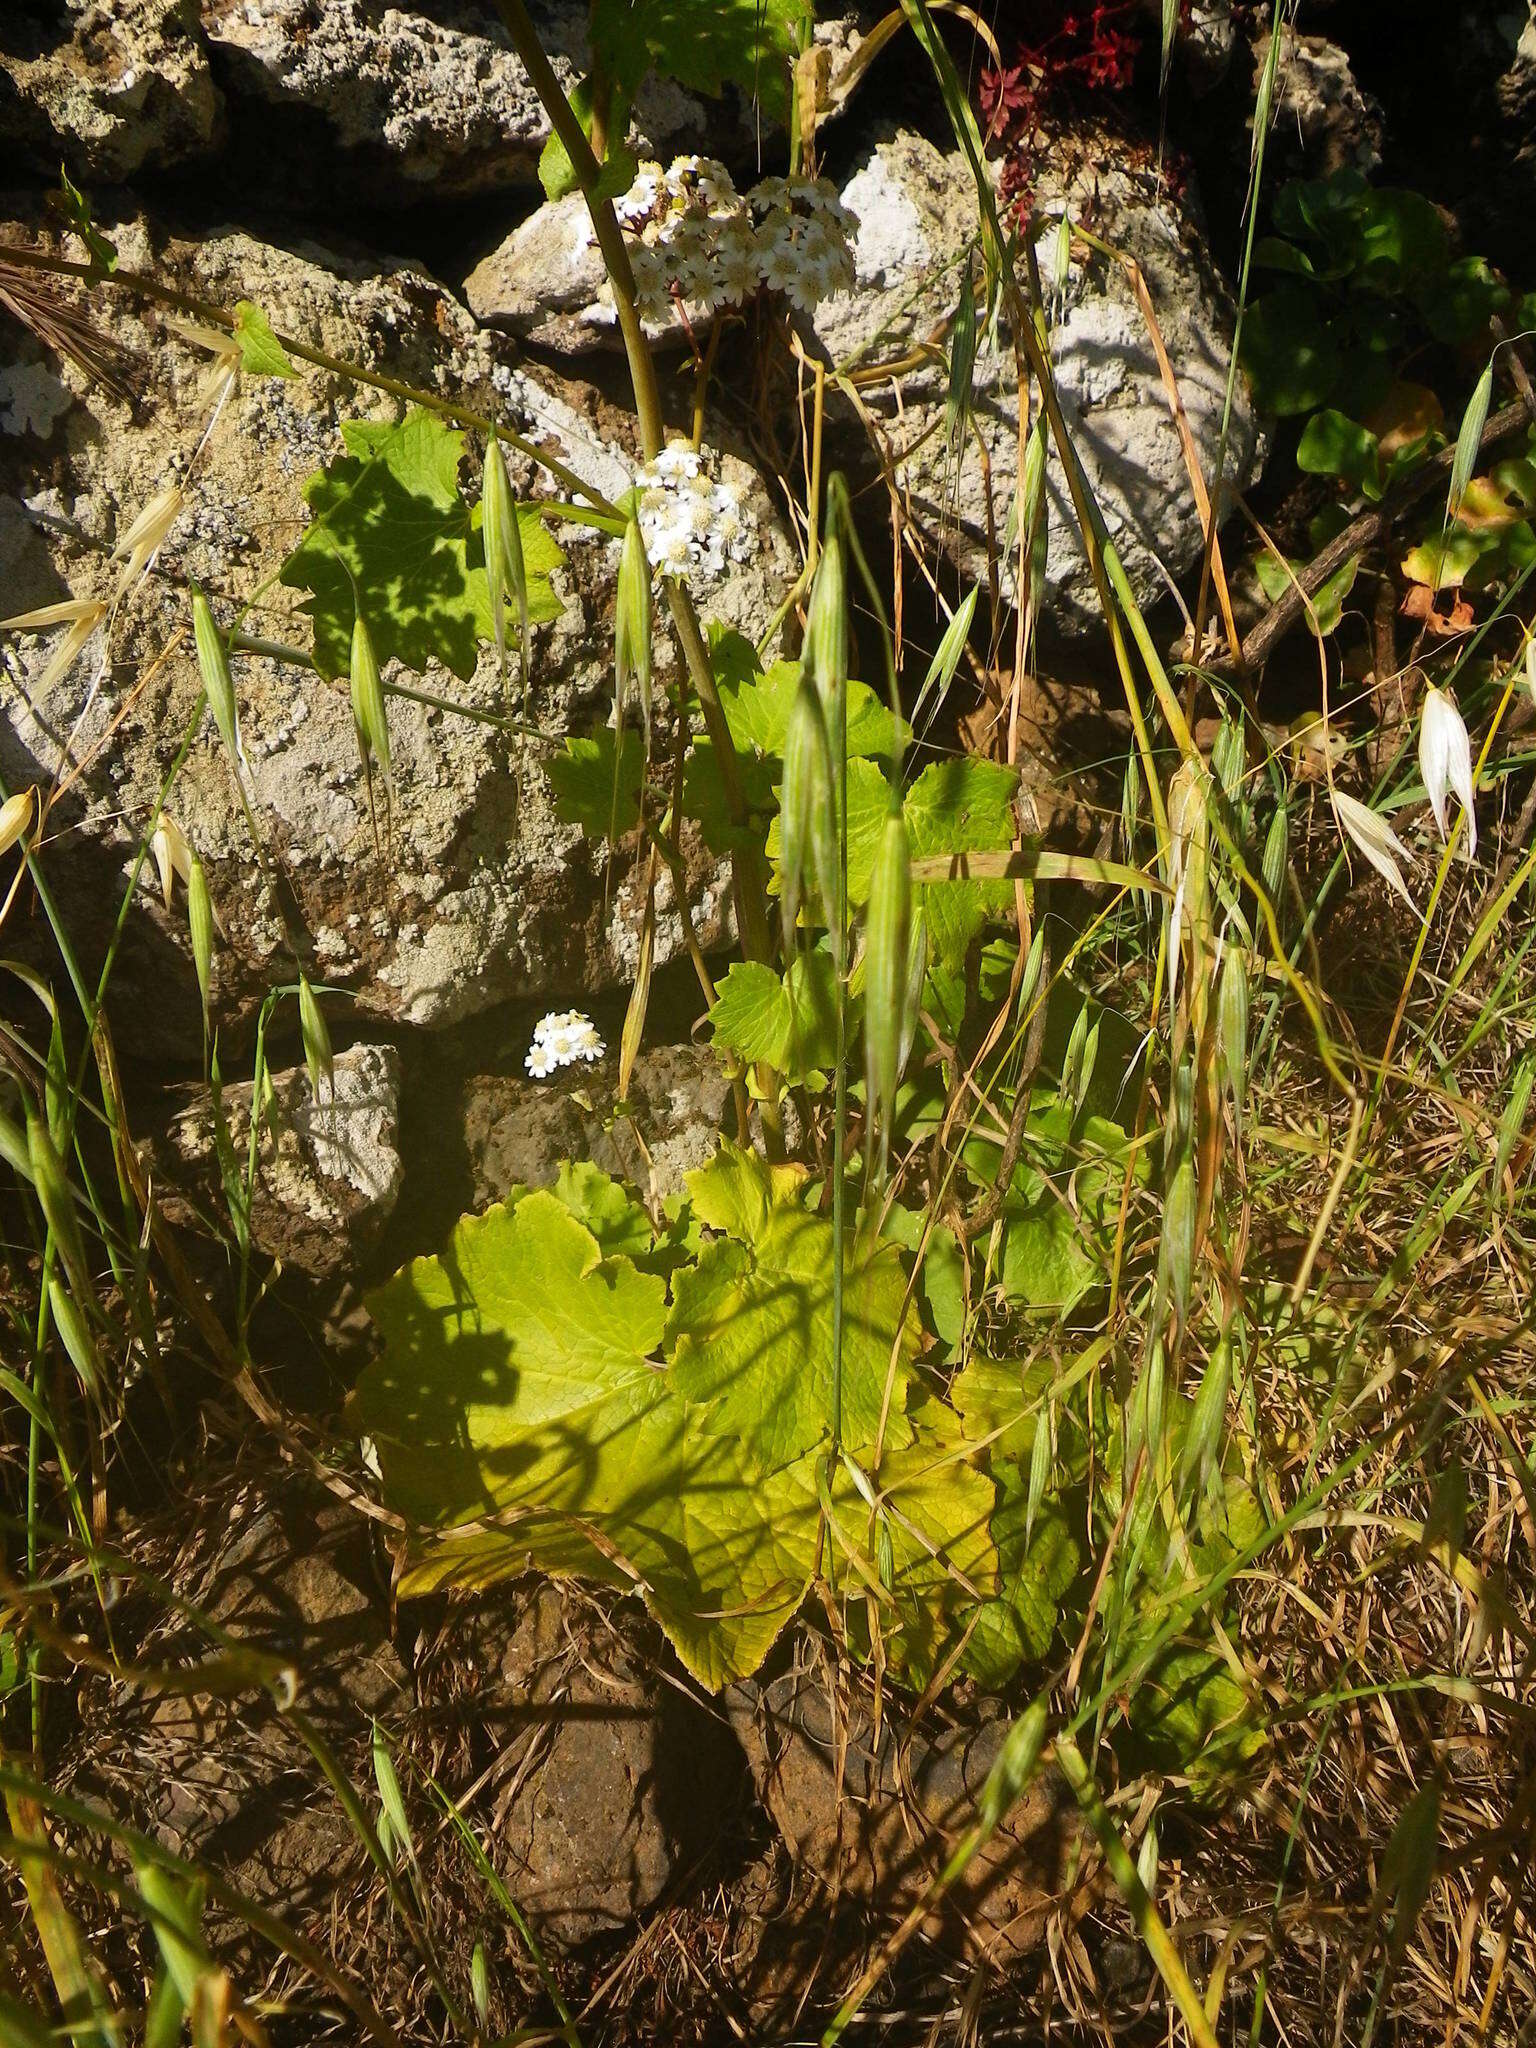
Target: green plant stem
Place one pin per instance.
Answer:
(1149, 1923)
(840, 1095)
(204, 309)
(748, 866)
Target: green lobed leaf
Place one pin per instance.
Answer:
(632, 1491)
(704, 45)
(608, 1209)
(521, 1317)
(959, 806)
(1332, 444)
(790, 1021)
(941, 1283)
(1000, 1404)
(515, 1382)
(757, 711)
(582, 779)
(1050, 1260)
(750, 1330)
(937, 1503)
(1292, 358)
(261, 353)
(389, 529)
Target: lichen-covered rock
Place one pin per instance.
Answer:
(113, 87)
(469, 889)
(627, 1779)
(1324, 121)
(544, 282)
(917, 212)
(423, 101)
(521, 1131)
(328, 1171)
(872, 1811)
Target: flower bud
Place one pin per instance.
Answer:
(1445, 761)
(1207, 1422)
(505, 569)
(962, 366)
(480, 1985)
(1146, 1859)
(1036, 511)
(888, 934)
(16, 817)
(632, 627)
(58, 1204)
(76, 1336)
(1041, 1458)
(1010, 1775)
(1276, 853)
(317, 1041)
(807, 810)
(826, 627)
(213, 665)
(200, 929)
(171, 853)
(368, 710)
(1232, 1028)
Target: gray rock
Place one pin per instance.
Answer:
(545, 282)
(471, 890)
(873, 1813)
(222, 1774)
(917, 212)
(1207, 40)
(329, 1172)
(114, 87)
(428, 102)
(1324, 121)
(618, 1779)
(520, 1132)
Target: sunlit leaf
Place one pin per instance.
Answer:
(390, 530)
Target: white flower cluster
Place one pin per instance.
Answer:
(693, 230)
(692, 524)
(559, 1040)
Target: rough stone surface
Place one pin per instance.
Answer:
(290, 1575)
(1323, 119)
(917, 214)
(472, 890)
(1207, 40)
(330, 1171)
(113, 87)
(618, 1780)
(874, 1819)
(430, 100)
(521, 1131)
(545, 281)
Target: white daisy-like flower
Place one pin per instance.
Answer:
(768, 194)
(736, 262)
(819, 243)
(782, 268)
(820, 197)
(677, 463)
(691, 522)
(715, 186)
(639, 202)
(559, 1040)
(670, 548)
(697, 278)
(652, 297)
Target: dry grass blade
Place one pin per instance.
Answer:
(41, 305)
